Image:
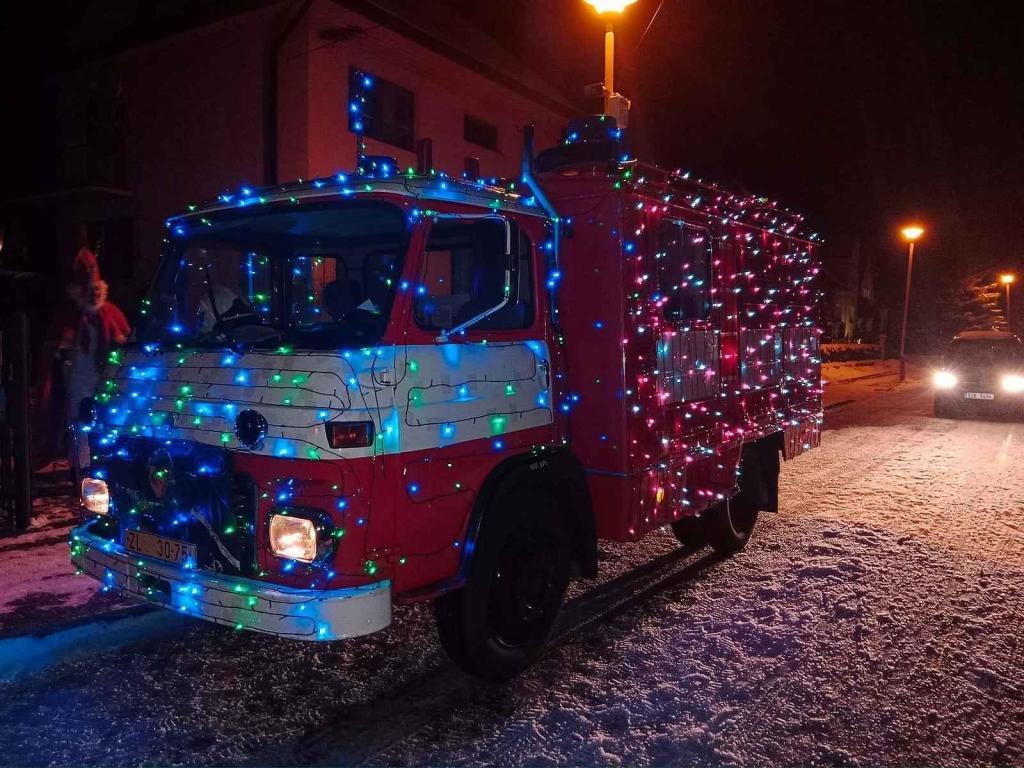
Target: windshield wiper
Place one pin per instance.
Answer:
(272, 334)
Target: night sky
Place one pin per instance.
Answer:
(861, 114)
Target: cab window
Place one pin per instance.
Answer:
(463, 275)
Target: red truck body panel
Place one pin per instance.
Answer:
(653, 373)
(639, 434)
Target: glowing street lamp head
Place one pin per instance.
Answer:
(1006, 279)
(610, 6)
(912, 232)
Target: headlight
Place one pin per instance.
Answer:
(944, 379)
(1013, 383)
(95, 496)
(293, 538)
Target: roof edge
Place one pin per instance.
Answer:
(382, 16)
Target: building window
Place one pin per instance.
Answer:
(478, 132)
(379, 109)
(113, 241)
(464, 272)
(90, 134)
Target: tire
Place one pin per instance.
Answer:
(728, 526)
(689, 531)
(944, 409)
(499, 622)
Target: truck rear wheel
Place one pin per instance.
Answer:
(727, 525)
(689, 531)
(498, 623)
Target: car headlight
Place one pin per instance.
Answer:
(293, 538)
(1013, 383)
(944, 379)
(95, 496)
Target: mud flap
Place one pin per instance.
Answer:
(802, 436)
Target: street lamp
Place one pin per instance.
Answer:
(1007, 280)
(910, 234)
(608, 7)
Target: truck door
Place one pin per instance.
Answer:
(688, 350)
(688, 355)
(475, 381)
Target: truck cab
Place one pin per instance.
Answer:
(363, 390)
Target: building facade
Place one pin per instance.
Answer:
(261, 95)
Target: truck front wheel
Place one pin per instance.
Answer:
(498, 623)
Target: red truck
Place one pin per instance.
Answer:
(397, 386)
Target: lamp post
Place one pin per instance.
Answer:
(1007, 280)
(910, 234)
(607, 8)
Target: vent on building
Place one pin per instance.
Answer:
(340, 34)
(479, 132)
(424, 156)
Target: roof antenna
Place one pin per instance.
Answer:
(424, 156)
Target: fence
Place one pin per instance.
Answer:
(15, 424)
(841, 353)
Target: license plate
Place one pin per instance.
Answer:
(979, 396)
(147, 544)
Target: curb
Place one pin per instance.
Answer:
(25, 655)
(837, 405)
(865, 376)
(50, 628)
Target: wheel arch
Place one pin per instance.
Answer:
(563, 473)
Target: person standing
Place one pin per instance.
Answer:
(88, 327)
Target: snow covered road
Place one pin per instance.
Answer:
(876, 619)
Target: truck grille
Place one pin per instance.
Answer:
(243, 505)
(201, 501)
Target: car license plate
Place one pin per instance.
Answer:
(147, 544)
(979, 396)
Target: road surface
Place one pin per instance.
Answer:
(875, 619)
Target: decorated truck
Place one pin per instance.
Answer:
(391, 387)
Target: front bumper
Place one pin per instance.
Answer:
(302, 614)
(1001, 404)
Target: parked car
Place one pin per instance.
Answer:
(982, 373)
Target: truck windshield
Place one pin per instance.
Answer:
(986, 351)
(317, 277)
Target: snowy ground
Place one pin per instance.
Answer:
(876, 619)
(38, 588)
